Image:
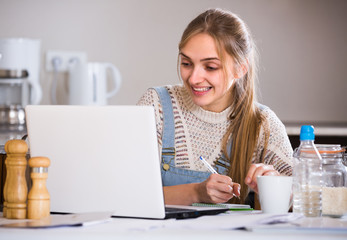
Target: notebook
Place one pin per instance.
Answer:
(103, 158)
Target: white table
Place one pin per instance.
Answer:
(122, 228)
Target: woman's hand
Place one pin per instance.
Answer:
(217, 189)
(256, 170)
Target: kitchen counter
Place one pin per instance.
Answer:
(333, 133)
(338, 129)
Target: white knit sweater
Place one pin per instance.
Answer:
(199, 133)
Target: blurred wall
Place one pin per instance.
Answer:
(302, 45)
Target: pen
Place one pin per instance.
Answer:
(211, 169)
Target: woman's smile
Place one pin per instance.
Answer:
(199, 91)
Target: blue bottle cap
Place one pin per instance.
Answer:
(307, 132)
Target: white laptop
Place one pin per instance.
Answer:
(103, 158)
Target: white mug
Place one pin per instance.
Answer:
(275, 193)
(88, 83)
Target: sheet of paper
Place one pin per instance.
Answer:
(233, 220)
(67, 220)
(324, 224)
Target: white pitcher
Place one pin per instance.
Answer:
(88, 83)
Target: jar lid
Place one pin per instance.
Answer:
(325, 149)
(330, 148)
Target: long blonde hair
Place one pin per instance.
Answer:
(232, 36)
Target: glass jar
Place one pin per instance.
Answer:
(334, 192)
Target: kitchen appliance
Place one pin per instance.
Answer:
(19, 84)
(88, 82)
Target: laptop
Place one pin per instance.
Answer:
(103, 158)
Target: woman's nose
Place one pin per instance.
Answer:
(196, 76)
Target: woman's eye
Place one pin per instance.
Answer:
(185, 64)
(210, 68)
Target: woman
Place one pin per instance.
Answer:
(214, 114)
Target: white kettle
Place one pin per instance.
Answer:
(88, 83)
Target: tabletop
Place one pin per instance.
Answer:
(222, 226)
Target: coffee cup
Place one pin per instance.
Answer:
(275, 193)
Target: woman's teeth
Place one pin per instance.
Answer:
(202, 89)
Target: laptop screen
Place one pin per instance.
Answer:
(103, 158)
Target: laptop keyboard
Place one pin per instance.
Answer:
(170, 210)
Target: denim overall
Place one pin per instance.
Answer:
(172, 175)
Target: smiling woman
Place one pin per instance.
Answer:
(214, 114)
(201, 71)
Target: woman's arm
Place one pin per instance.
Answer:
(278, 152)
(216, 189)
(184, 194)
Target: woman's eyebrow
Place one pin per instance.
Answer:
(202, 60)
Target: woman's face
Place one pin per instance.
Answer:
(203, 75)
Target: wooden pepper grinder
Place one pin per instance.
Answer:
(38, 197)
(15, 188)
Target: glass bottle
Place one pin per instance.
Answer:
(307, 176)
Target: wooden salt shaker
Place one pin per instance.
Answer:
(38, 197)
(15, 188)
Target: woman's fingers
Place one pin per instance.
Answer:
(256, 170)
(220, 188)
(236, 189)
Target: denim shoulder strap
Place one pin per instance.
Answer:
(172, 175)
(261, 106)
(168, 137)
